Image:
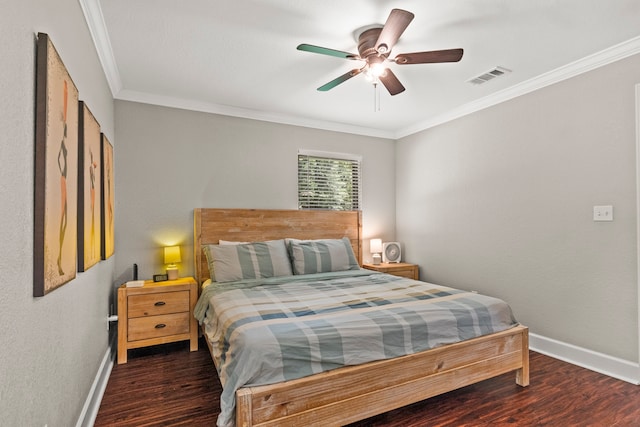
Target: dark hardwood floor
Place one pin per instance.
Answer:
(169, 386)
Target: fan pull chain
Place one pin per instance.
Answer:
(376, 97)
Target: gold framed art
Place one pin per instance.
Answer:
(56, 174)
(89, 193)
(108, 199)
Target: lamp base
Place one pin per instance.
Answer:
(172, 273)
(376, 259)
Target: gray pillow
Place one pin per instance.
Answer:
(322, 256)
(248, 261)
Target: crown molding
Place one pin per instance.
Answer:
(591, 62)
(226, 110)
(98, 29)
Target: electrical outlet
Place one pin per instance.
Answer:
(111, 317)
(603, 213)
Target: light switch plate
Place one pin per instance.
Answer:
(603, 213)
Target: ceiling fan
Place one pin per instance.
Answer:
(374, 46)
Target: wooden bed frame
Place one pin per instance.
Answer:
(352, 393)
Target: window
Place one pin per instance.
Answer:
(328, 181)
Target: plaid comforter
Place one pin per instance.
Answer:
(271, 330)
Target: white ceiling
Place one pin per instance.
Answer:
(239, 57)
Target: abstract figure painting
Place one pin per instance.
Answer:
(108, 199)
(56, 174)
(89, 179)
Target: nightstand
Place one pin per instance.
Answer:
(157, 313)
(401, 269)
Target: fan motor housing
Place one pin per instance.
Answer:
(367, 42)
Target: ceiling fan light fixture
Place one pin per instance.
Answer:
(377, 69)
(373, 77)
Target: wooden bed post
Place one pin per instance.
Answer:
(197, 250)
(244, 408)
(522, 374)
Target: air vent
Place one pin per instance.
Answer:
(489, 75)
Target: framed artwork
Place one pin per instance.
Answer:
(108, 198)
(89, 179)
(56, 173)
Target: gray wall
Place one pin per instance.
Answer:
(501, 201)
(51, 346)
(170, 161)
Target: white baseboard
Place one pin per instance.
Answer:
(598, 362)
(92, 403)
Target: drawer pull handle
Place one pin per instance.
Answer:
(160, 326)
(159, 303)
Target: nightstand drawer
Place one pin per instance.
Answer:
(158, 326)
(402, 269)
(158, 303)
(409, 273)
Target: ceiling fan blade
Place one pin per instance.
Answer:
(448, 55)
(391, 82)
(343, 78)
(327, 51)
(397, 22)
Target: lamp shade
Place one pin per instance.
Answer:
(375, 246)
(172, 254)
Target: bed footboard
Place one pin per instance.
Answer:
(353, 393)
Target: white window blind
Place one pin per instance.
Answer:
(329, 181)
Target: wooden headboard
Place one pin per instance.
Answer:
(254, 225)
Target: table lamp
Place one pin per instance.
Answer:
(375, 247)
(171, 257)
